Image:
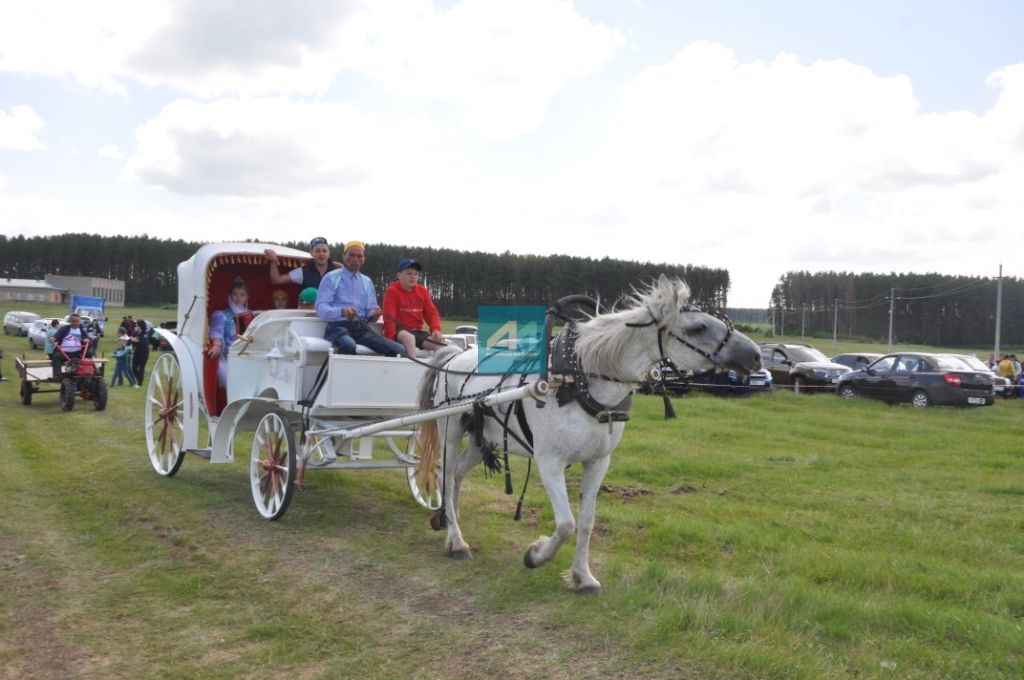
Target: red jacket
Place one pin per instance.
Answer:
(409, 309)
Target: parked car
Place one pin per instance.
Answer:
(17, 323)
(920, 379)
(1000, 385)
(37, 333)
(730, 384)
(801, 366)
(466, 330)
(856, 361)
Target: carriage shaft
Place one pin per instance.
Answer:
(536, 390)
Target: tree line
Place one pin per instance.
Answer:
(929, 309)
(459, 280)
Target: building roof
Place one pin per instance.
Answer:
(27, 283)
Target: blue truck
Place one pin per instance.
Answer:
(93, 307)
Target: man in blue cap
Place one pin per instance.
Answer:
(310, 274)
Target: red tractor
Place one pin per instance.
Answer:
(82, 376)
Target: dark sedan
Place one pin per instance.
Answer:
(920, 379)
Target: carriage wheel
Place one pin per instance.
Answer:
(430, 501)
(272, 466)
(99, 394)
(26, 393)
(165, 416)
(67, 394)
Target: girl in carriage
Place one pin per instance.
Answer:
(227, 324)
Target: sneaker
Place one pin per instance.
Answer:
(135, 386)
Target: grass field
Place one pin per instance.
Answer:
(778, 536)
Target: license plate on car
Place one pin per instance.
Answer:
(757, 383)
(975, 400)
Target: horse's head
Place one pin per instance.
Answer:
(694, 339)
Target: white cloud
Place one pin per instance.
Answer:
(499, 62)
(768, 166)
(269, 147)
(84, 40)
(19, 127)
(110, 151)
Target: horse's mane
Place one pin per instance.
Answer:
(606, 339)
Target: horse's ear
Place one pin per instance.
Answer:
(668, 296)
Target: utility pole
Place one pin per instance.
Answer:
(835, 322)
(782, 321)
(803, 319)
(773, 319)
(999, 309)
(892, 302)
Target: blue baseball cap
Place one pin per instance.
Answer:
(319, 240)
(409, 263)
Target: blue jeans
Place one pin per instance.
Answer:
(345, 335)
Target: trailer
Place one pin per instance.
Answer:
(306, 407)
(80, 380)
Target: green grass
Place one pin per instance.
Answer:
(782, 536)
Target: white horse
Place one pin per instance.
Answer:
(616, 351)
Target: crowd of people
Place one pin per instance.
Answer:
(344, 297)
(1010, 368)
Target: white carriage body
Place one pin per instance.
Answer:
(274, 364)
(284, 384)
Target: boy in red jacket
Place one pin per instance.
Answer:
(407, 306)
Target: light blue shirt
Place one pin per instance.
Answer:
(341, 288)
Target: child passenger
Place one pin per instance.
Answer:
(407, 306)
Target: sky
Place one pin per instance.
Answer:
(760, 137)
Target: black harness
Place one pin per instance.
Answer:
(576, 382)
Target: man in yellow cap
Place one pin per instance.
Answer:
(347, 301)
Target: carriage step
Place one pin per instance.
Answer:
(202, 453)
(361, 465)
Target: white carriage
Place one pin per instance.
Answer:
(306, 406)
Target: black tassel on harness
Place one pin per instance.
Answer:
(508, 476)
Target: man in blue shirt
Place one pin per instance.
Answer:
(347, 301)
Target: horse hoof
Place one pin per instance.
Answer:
(589, 590)
(461, 555)
(528, 559)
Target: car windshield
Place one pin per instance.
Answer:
(806, 354)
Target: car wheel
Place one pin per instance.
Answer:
(920, 399)
(799, 384)
(846, 391)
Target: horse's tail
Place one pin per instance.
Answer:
(428, 443)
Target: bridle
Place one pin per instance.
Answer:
(713, 356)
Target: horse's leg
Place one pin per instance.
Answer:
(579, 577)
(457, 466)
(552, 476)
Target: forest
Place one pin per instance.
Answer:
(459, 281)
(930, 309)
